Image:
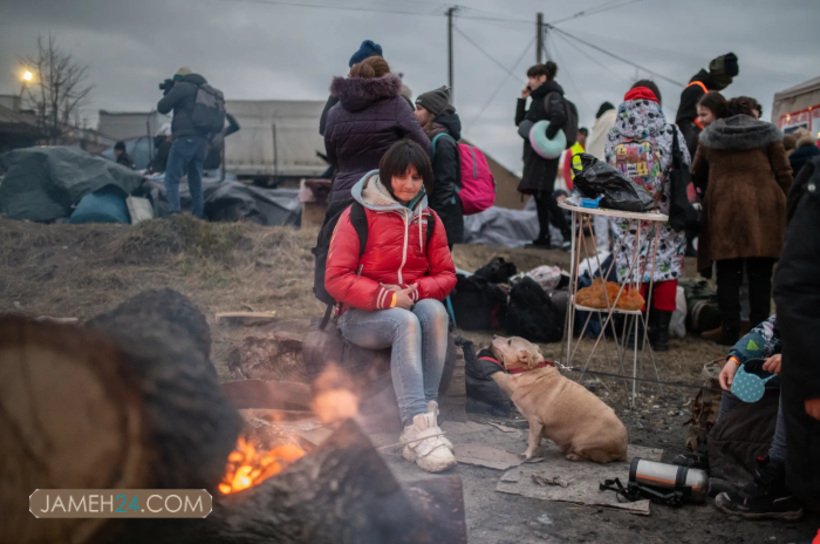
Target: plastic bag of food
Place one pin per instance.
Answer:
(597, 178)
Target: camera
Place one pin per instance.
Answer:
(166, 86)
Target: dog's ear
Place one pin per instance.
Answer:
(537, 356)
(525, 358)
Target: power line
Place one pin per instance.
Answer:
(606, 6)
(613, 55)
(469, 39)
(593, 59)
(330, 6)
(569, 77)
(501, 85)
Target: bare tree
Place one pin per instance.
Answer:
(60, 88)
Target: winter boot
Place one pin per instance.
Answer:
(765, 497)
(661, 333)
(424, 447)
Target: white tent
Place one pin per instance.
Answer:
(798, 106)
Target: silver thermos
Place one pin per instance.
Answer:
(689, 483)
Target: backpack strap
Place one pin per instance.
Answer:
(435, 139)
(358, 218)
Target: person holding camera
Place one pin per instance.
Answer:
(189, 141)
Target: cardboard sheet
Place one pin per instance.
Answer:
(557, 479)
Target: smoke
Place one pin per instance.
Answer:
(335, 395)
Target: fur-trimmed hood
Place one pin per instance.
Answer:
(357, 93)
(740, 133)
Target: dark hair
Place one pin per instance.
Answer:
(399, 158)
(649, 84)
(550, 69)
(744, 105)
(714, 101)
(119, 146)
(584, 131)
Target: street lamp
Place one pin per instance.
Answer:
(27, 77)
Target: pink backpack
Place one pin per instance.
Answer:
(477, 191)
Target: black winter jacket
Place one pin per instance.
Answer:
(539, 173)
(797, 295)
(444, 199)
(181, 100)
(801, 156)
(370, 117)
(688, 109)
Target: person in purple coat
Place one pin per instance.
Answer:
(370, 117)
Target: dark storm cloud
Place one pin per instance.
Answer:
(263, 51)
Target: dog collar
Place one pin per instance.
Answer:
(542, 364)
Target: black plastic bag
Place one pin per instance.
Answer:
(598, 178)
(682, 213)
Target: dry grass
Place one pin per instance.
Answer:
(83, 270)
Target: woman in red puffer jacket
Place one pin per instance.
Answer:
(393, 292)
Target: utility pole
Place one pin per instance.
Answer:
(539, 38)
(450, 13)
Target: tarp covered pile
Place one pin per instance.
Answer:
(47, 184)
(44, 183)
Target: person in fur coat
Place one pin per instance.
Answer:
(371, 116)
(743, 167)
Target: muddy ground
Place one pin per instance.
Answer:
(80, 271)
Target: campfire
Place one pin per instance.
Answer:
(248, 467)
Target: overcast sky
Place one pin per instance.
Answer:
(260, 49)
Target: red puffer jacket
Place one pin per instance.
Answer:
(395, 252)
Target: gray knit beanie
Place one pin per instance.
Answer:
(435, 101)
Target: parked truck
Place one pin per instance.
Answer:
(278, 140)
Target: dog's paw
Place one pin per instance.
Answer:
(574, 457)
(527, 455)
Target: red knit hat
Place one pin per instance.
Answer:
(641, 93)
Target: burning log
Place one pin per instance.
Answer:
(341, 493)
(132, 401)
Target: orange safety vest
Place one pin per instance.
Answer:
(705, 90)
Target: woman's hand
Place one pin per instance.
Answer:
(727, 375)
(772, 364)
(403, 299)
(525, 93)
(391, 287)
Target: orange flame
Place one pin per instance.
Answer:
(247, 467)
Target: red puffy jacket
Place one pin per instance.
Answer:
(395, 252)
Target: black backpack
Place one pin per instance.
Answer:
(571, 127)
(358, 218)
(532, 315)
(498, 270)
(478, 303)
(208, 115)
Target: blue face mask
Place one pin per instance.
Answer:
(747, 385)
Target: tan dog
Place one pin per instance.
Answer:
(557, 408)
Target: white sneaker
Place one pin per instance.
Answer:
(427, 450)
(432, 408)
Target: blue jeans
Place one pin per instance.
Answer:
(419, 341)
(186, 157)
(777, 451)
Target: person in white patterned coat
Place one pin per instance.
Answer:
(640, 145)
